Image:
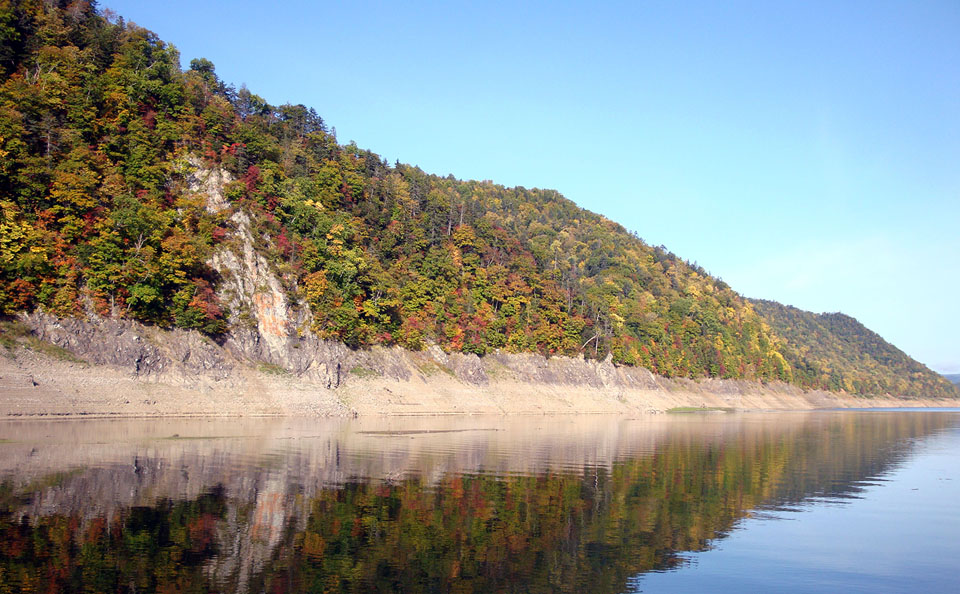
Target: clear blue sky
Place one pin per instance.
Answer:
(806, 152)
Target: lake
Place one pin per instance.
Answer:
(788, 502)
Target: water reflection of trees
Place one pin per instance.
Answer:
(553, 531)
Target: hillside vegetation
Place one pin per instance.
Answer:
(836, 352)
(100, 130)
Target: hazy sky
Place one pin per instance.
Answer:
(806, 152)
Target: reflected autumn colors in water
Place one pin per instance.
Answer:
(467, 505)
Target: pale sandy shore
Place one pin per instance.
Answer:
(33, 385)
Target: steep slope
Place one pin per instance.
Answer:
(132, 189)
(836, 352)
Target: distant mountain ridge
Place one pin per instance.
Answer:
(132, 189)
(953, 377)
(836, 352)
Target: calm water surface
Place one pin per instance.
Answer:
(793, 502)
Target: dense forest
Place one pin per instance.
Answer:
(838, 352)
(100, 129)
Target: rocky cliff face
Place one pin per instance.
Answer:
(263, 321)
(267, 327)
(146, 353)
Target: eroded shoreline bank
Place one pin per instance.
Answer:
(34, 385)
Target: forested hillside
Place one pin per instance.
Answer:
(100, 130)
(836, 352)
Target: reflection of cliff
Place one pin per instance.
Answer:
(479, 505)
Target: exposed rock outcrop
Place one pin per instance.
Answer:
(185, 357)
(263, 321)
(146, 353)
(128, 369)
